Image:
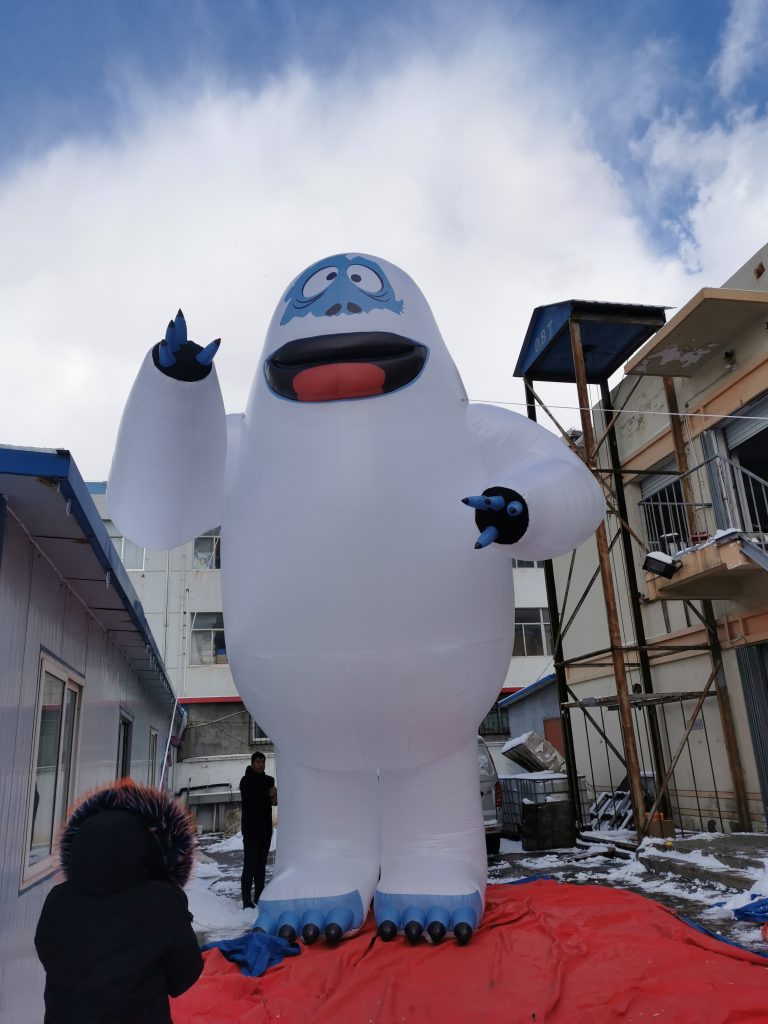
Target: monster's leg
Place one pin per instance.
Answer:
(433, 859)
(327, 862)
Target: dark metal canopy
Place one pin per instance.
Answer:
(610, 333)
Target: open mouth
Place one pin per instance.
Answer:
(331, 367)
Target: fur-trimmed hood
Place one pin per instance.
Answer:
(124, 834)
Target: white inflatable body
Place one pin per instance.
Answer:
(364, 631)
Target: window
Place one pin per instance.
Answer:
(124, 740)
(207, 554)
(131, 555)
(208, 644)
(533, 634)
(257, 733)
(522, 563)
(55, 761)
(152, 758)
(496, 722)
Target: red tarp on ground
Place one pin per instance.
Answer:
(547, 953)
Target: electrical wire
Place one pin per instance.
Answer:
(643, 412)
(213, 721)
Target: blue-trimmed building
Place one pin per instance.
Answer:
(84, 695)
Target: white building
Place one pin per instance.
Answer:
(83, 691)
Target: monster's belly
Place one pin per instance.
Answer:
(361, 624)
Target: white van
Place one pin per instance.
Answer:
(490, 794)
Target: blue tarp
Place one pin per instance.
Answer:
(254, 952)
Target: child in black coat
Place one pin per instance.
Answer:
(116, 938)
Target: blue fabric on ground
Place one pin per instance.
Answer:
(756, 912)
(254, 952)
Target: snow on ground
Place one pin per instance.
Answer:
(235, 842)
(216, 915)
(214, 890)
(708, 861)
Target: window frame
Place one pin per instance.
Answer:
(72, 682)
(216, 554)
(252, 729)
(545, 632)
(118, 541)
(124, 757)
(154, 739)
(211, 630)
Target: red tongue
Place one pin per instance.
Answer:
(332, 381)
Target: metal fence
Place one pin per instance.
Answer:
(718, 494)
(695, 799)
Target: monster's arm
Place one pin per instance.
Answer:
(562, 503)
(166, 484)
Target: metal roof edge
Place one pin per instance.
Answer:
(526, 691)
(702, 295)
(58, 466)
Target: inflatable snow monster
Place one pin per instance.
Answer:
(365, 632)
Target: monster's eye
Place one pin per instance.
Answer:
(364, 278)
(318, 282)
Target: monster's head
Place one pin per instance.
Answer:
(350, 327)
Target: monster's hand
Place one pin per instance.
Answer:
(501, 515)
(181, 359)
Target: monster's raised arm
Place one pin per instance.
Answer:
(539, 498)
(166, 484)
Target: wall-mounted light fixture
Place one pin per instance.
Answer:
(661, 564)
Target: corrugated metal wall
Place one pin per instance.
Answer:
(37, 611)
(752, 666)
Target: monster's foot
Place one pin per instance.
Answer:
(430, 897)
(317, 897)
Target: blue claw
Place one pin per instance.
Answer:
(165, 355)
(414, 920)
(514, 508)
(338, 922)
(488, 536)
(464, 915)
(388, 921)
(439, 920)
(484, 503)
(181, 329)
(312, 925)
(266, 923)
(176, 332)
(205, 358)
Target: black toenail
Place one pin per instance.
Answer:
(310, 933)
(332, 933)
(387, 931)
(436, 932)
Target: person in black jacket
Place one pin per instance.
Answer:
(258, 796)
(116, 937)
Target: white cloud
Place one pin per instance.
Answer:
(468, 170)
(722, 169)
(743, 44)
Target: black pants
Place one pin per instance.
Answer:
(255, 853)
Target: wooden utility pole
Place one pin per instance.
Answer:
(562, 683)
(606, 576)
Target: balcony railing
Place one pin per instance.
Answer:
(716, 495)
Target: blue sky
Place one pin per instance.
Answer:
(506, 154)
